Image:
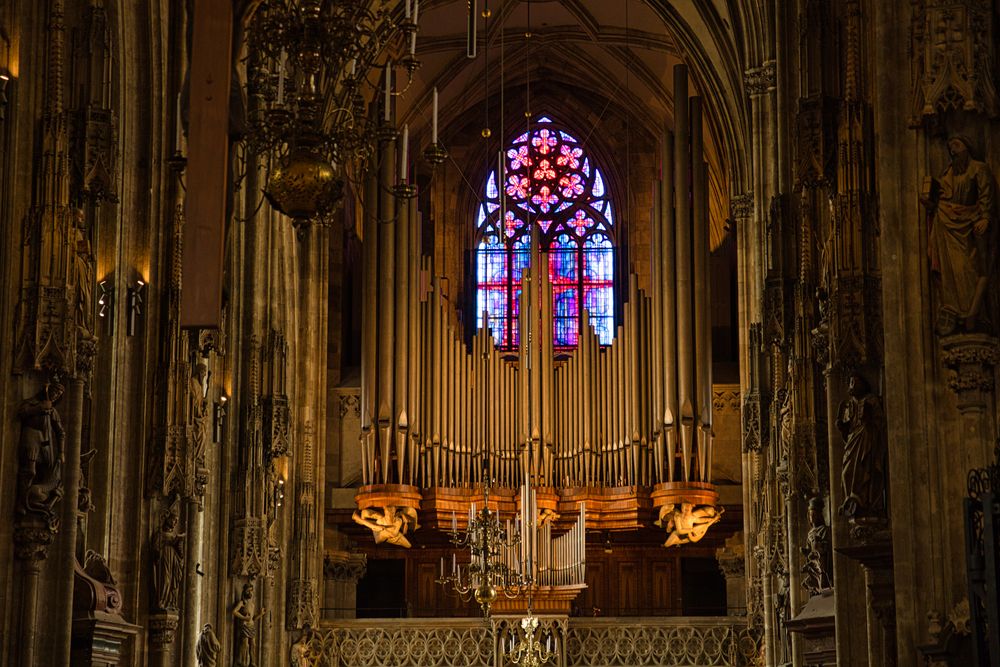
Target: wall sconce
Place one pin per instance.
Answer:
(4, 82)
(133, 307)
(279, 492)
(219, 419)
(106, 305)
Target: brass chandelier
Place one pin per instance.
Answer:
(530, 650)
(493, 566)
(307, 67)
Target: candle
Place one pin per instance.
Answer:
(442, 567)
(434, 118)
(281, 76)
(406, 4)
(416, 9)
(413, 43)
(178, 130)
(404, 157)
(454, 523)
(388, 89)
(454, 564)
(353, 67)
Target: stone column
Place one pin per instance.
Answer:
(971, 360)
(732, 562)
(341, 572)
(32, 537)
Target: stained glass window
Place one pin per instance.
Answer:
(551, 182)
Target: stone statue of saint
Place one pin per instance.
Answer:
(40, 452)
(389, 524)
(818, 566)
(687, 523)
(860, 420)
(198, 412)
(246, 614)
(300, 653)
(206, 651)
(962, 239)
(83, 275)
(168, 563)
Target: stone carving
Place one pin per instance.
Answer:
(40, 454)
(206, 651)
(962, 240)
(759, 80)
(246, 614)
(83, 276)
(686, 523)
(249, 545)
(953, 53)
(301, 607)
(94, 587)
(751, 422)
(198, 412)
(168, 563)
(741, 206)
(389, 524)
(344, 566)
(300, 654)
(818, 567)
(860, 420)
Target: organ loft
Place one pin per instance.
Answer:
(427, 333)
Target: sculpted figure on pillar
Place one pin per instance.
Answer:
(246, 614)
(198, 412)
(860, 420)
(40, 452)
(206, 651)
(168, 563)
(962, 240)
(83, 276)
(818, 567)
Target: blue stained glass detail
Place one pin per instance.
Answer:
(598, 190)
(491, 186)
(544, 119)
(586, 167)
(609, 216)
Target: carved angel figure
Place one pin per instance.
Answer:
(83, 275)
(40, 452)
(206, 651)
(687, 523)
(389, 524)
(861, 423)
(168, 562)
(962, 238)
(246, 614)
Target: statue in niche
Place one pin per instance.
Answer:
(860, 421)
(962, 240)
(389, 524)
(206, 651)
(198, 411)
(40, 452)
(83, 275)
(168, 563)
(687, 523)
(818, 566)
(246, 614)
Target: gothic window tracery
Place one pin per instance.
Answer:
(550, 185)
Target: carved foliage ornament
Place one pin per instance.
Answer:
(953, 47)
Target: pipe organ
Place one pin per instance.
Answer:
(629, 422)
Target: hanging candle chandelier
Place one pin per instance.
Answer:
(494, 567)
(307, 68)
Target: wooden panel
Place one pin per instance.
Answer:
(627, 587)
(424, 602)
(661, 587)
(207, 170)
(595, 595)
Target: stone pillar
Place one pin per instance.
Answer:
(341, 572)
(732, 562)
(32, 537)
(162, 630)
